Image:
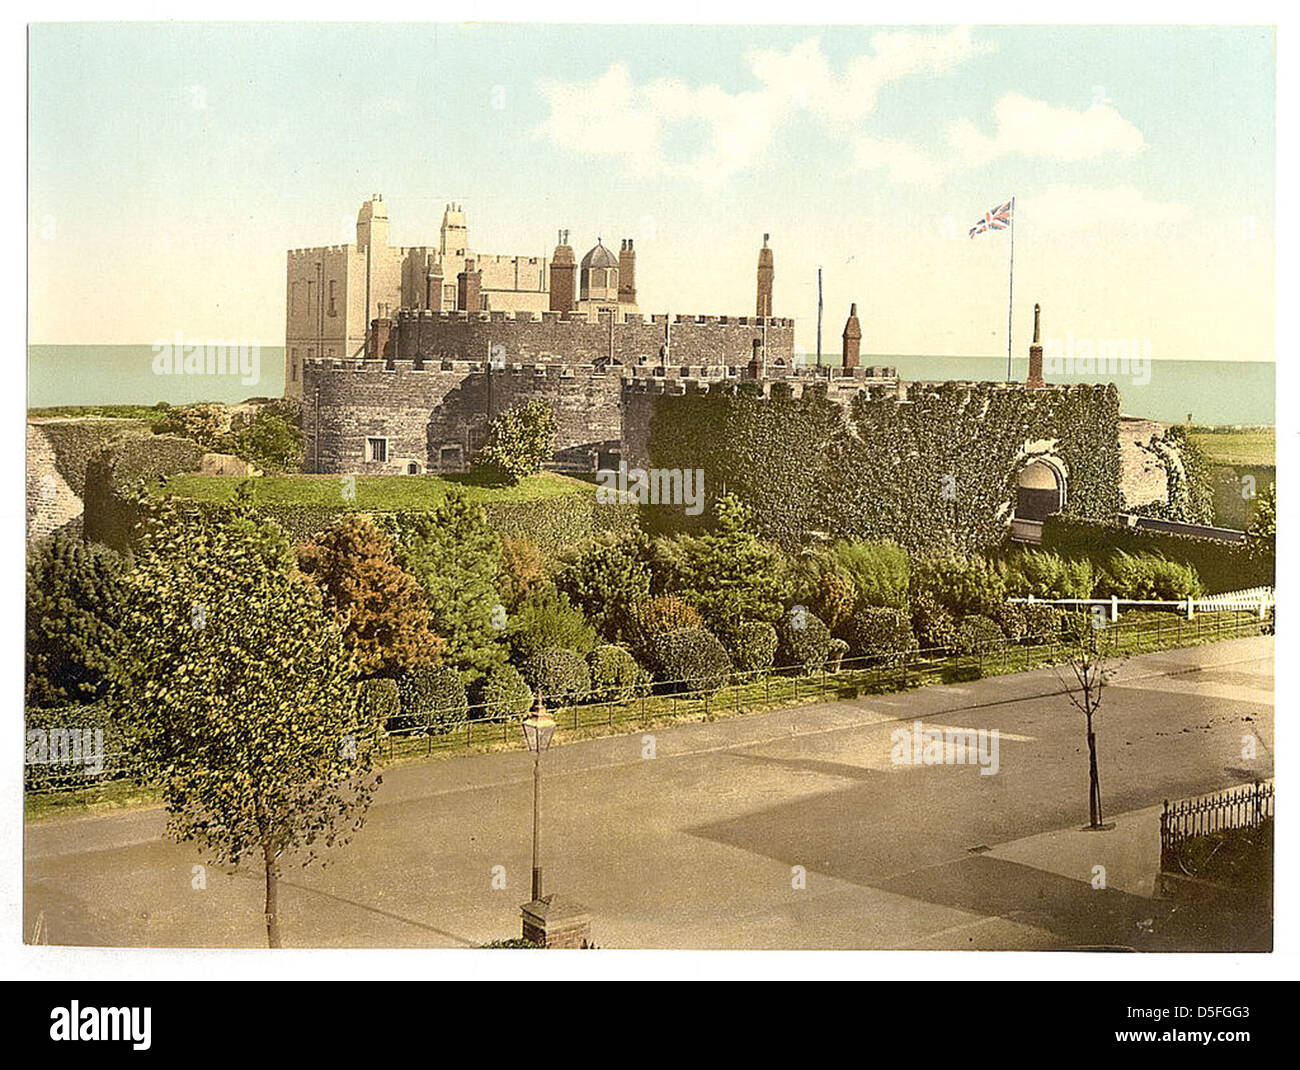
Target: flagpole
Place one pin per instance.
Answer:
(1011, 284)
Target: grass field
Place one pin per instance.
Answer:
(374, 492)
(114, 412)
(1251, 445)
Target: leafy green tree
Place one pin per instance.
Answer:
(615, 674)
(690, 659)
(548, 621)
(560, 675)
(432, 699)
(75, 596)
(272, 440)
(960, 583)
(728, 573)
(454, 555)
(803, 640)
(381, 610)
(604, 579)
(522, 571)
(241, 695)
(1263, 525)
(518, 443)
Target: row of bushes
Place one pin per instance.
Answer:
(1044, 574)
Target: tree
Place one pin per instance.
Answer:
(518, 443)
(728, 574)
(548, 621)
(454, 555)
(1089, 673)
(240, 694)
(381, 610)
(75, 594)
(604, 579)
(522, 572)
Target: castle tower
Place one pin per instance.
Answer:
(381, 330)
(765, 272)
(627, 274)
(372, 223)
(454, 239)
(469, 288)
(1035, 378)
(564, 276)
(852, 338)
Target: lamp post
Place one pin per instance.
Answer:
(538, 730)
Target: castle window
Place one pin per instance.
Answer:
(333, 309)
(377, 449)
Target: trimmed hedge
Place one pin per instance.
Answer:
(615, 674)
(75, 442)
(1221, 566)
(112, 477)
(693, 655)
(381, 700)
(58, 753)
(432, 699)
(560, 675)
(751, 645)
(976, 633)
(882, 632)
(506, 692)
(803, 640)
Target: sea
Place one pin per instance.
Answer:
(1206, 392)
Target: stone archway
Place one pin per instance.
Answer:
(1040, 489)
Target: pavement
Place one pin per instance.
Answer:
(789, 829)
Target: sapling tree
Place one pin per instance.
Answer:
(241, 695)
(1088, 671)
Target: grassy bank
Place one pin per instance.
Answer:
(387, 493)
(1232, 446)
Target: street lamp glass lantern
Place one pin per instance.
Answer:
(538, 730)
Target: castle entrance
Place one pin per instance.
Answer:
(1040, 492)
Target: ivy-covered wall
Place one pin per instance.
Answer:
(937, 467)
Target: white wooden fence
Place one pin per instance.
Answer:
(1259, 599)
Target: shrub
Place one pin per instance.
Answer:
(803, 640)
(692, 658)
(615, 674)
(272, 440)
(1044, 574)
(75, 603)
(834, 598)
(522, 573)
(1140, 576)
(603, 578)
(751, 645)
(549, 622)
(1010, 617)
(432, 699)
(884, 633)
(977, 634)
(879, 571)
(1042, 623)
(652, 617)
(560, 675)
(934, 625)
(518, 443)
(51, 757)
(962, 585)
(381, 701)
(506, 693)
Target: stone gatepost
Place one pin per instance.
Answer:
(556, 922)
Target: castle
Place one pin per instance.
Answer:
(401, 357)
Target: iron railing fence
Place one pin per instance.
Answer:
(671, 701)
(1189, 820)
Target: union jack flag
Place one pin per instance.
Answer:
(997, 219)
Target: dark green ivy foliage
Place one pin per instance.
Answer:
(937, 471)
(75, 602)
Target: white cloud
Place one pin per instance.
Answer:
(613, 116)
(1028, 127)
(1075, 207)
(901, 161)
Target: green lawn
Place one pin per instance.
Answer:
(1254, 445)
(374, 492)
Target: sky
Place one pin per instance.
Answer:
(171, 167)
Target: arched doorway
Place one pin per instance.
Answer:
(1040, 490)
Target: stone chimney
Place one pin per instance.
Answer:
(564, 276)
(852, 338)
(765, 272)
(1035, 378)
(627, 273)
(433, 288)
(381, 331)
(469, 288)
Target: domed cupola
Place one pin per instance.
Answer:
(599, 275)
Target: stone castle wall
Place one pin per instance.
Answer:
(575, 338)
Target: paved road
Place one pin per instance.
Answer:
(697, 846)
